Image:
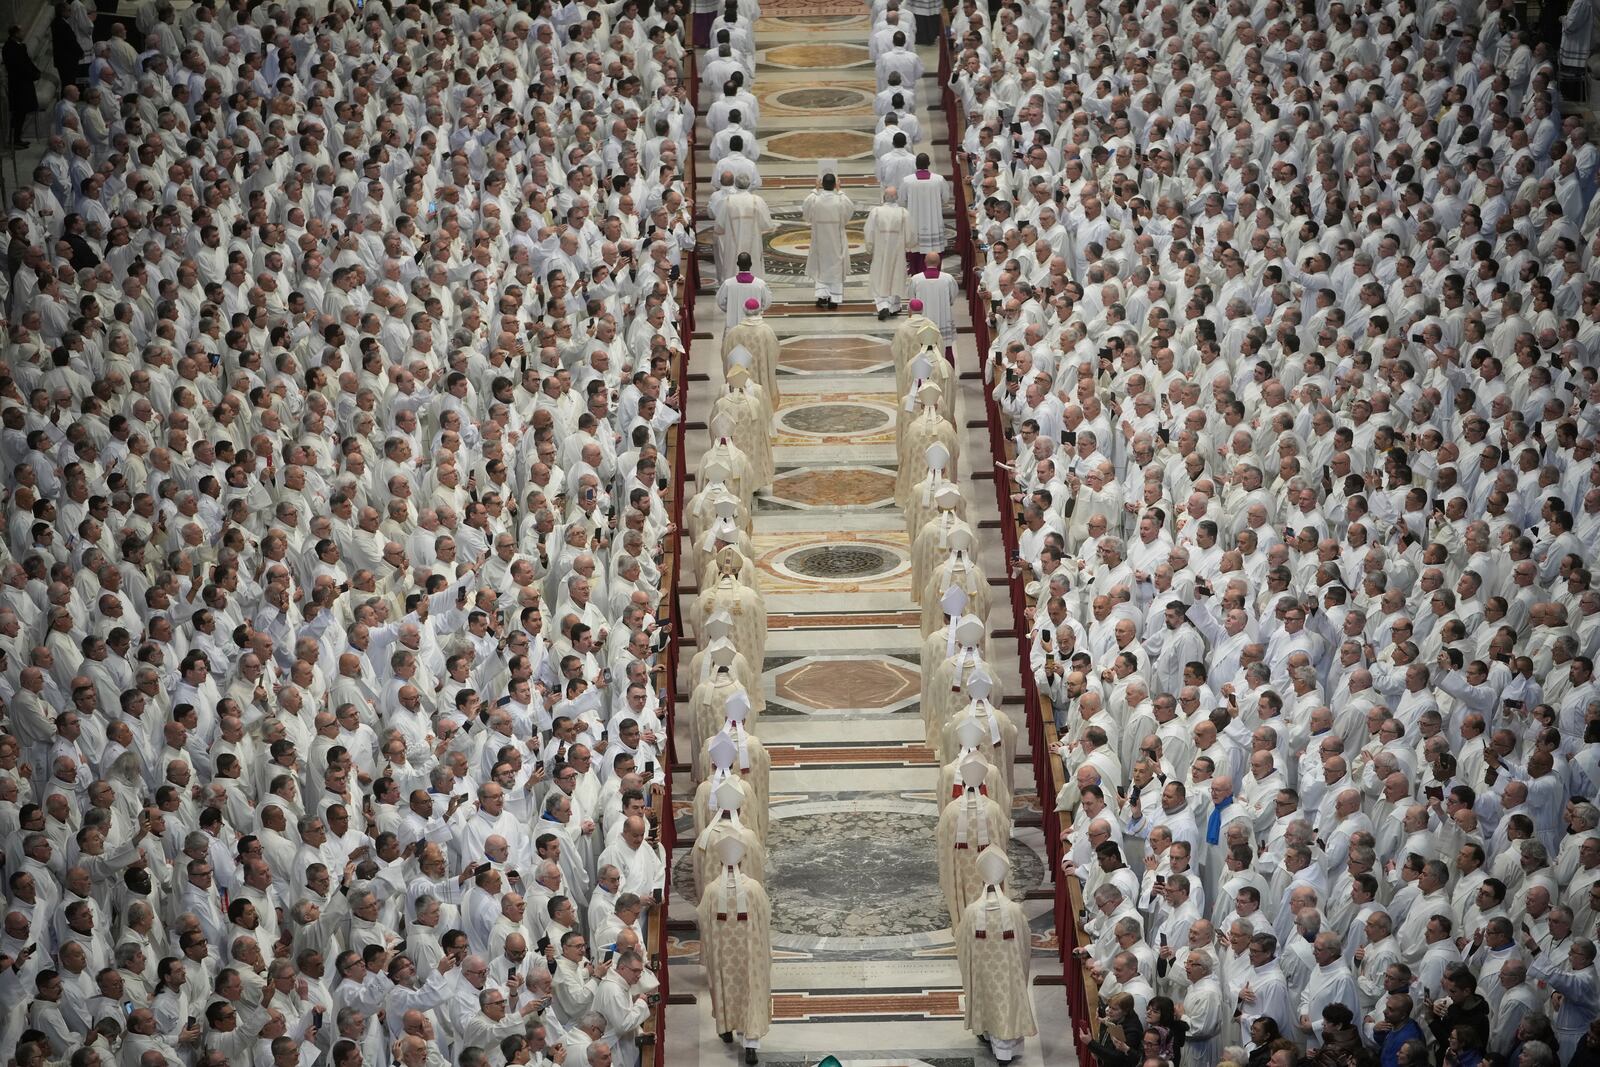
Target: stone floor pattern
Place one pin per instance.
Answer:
(864, 965)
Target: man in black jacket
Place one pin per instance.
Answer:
(1460, 1004)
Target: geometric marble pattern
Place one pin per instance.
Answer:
(840, 621)
(832, 681)
(832, 487)
(818, 353)
(808, 145)
(878, 754)
(807, 56)
(875, 1005)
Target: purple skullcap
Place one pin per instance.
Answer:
(752, 304)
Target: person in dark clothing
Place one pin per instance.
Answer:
(22, 74)
(1341, 1041)
(1161, 1017)
(1535, 1029)
(1127, 1050)
(64, 48)
(1396, 1029)
(83, 254)
(1587, 1054)
(1263, 1032)
(1460, 1004)
(1465, 1047)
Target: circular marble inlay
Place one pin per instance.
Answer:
(842, 561)
(828, 98)
(797, 242)
(827, 419)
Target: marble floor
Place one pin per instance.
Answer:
(864, 964)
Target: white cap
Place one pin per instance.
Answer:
(719, 626)
(994, 865)
(947, 496)
(974, 771)
(937, 456)
(960, 539)
(921, 368)
(740, 356)
(970, 733)
(737, 707)
(730, 850)
(727, 796)
(954, 601)
(722, 654)
(721, 425)
(722, 750)
(726, 507)
(979, 684)
(714, 471)
(969, 630)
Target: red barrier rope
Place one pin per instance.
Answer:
(1066, 921)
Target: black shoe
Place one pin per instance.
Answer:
(727, 1038)
(883, 314)
(750, 1056)
(821, 302)
(832, 306)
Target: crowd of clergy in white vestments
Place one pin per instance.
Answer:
(337, 382)
(1295, 319)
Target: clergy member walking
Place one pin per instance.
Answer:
(937, 291)
(828, 261)
(888, 234)
(994, 950)
(926, 195)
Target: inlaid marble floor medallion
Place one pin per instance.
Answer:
(841, 97)
(831, 682)
(828, 420)
(822, 353)
(886, 896)
(830, 487)
(858, 561)
(830, 55)
(808, 145)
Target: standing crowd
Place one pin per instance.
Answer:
(334, 408)
(1296, 329)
